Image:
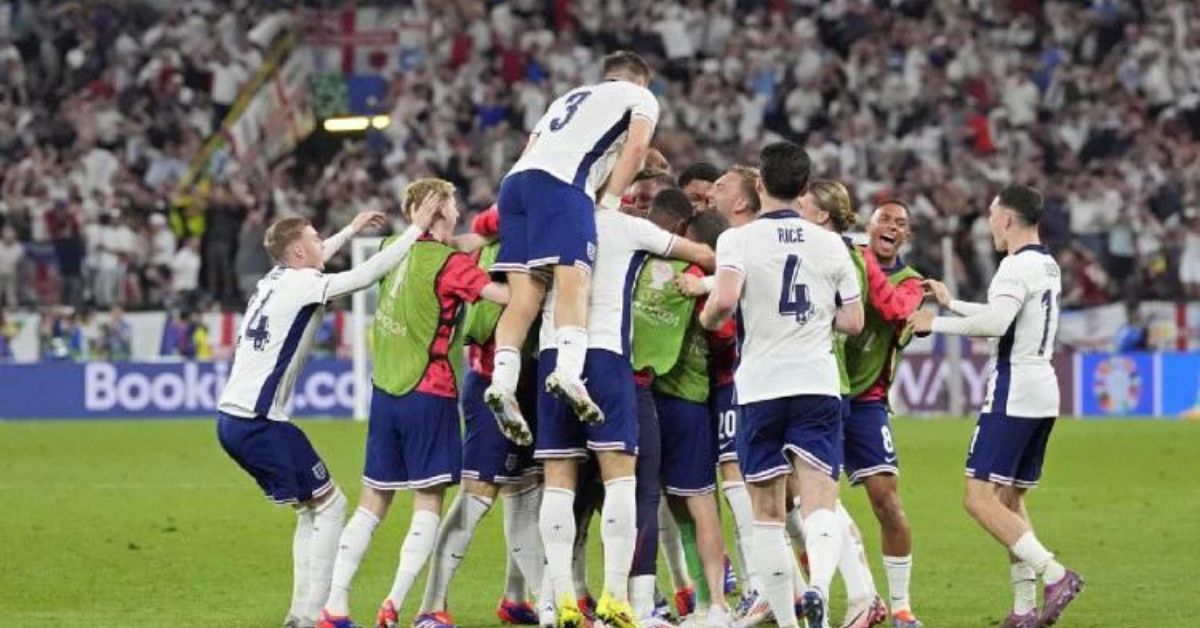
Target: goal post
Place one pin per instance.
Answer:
(362, 304)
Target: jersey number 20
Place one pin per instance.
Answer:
(573, 102)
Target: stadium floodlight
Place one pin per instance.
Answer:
(351, 124)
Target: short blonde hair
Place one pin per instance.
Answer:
(832, 198)
(418, 191)
(281, 234)
(750, 176)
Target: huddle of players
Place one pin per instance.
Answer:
(771, 400)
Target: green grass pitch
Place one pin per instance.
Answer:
(148, 524)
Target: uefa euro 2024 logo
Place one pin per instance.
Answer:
(1117, 385)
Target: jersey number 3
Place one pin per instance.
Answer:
(793, 297)
(573, 102)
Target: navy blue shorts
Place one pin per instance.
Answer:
(544, 222)
(725, 416)
(868, 448)
(487, 455)
(649, 485)
(689, 449)
(277, 455)
(413, 441)
(807, 426)
(1008, 450)
(609, 378)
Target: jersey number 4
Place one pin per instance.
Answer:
(573, 102)
(793, 297)
(256, 329)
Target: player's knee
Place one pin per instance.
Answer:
(976, 501)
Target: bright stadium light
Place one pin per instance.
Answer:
(347, 125)
(380, 122)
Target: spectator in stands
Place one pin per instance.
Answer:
(185, 273)
(61, 336)
(1189, 259)
(8, 332)
(251, 261)
(11, 254)
(224, 217)
(162, 252)
(116, 337)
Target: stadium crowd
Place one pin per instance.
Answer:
(103, 105)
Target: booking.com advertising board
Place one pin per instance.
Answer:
(1093, 385)
(64, 390)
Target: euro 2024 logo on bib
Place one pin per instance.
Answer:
(1117, 384)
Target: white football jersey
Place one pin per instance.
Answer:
(794, 275)
(273, 342)
(581, 134)
(623, 243)
(1022, 382)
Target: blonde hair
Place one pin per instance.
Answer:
(418, 191)
(281, 234)
(832, 198)
(750, 176)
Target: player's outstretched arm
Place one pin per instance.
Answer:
(700, 254)
(941, 293)
(723, 299)
(894, 303)
(496, 293)
(629, 162)
(990, 321)
(335, 242)
(372, 270)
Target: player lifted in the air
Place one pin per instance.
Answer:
(273, 343)
(792, 284)
(589, 135)
(563, 441)
(1006, 452)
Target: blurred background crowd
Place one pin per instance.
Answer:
(104, 104)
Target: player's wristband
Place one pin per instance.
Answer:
(610, 201)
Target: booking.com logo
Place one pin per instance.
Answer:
(195, 387)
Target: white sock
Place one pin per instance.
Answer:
(823, 539)
(414, 553)
(743, 526)
(794, 524)
(572, 343)
(853, 563)
(799, 586)
(618, 533)
(514, 583)
(1024, 588)
(771, 558)
(524, 539)
(579, 554)
(355, 540)
(898, 570)
(557, 525)
(641, 595)
(672, 546)
(452, 540)
(506, 371)
(301, 549)
(1030, 550)
(329, 520)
